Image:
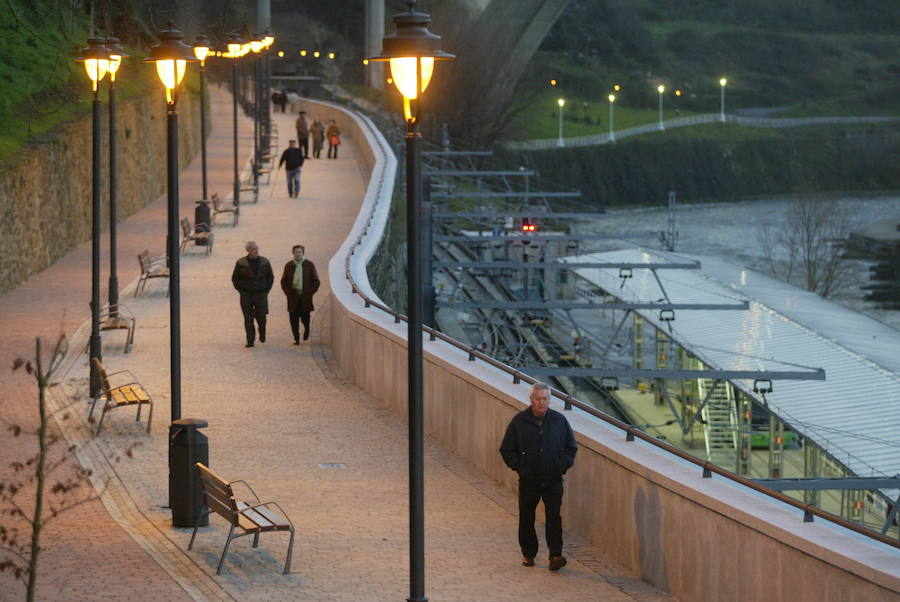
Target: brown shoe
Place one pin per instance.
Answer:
(527, 561)
(557, 562)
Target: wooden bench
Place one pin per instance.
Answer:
(117, 317)
(201, 236)
(130, 393)
(252, 518)
(220, 207)
(151, 267)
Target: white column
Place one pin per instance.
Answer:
(374, 34)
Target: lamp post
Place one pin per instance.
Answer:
(116, 54)
(612, 131)
(96, 63)
(661, 89)
(256, 46)
(722, 83)
(234, 53)
(562, 103)
(412, 51)
(201, 51)
(171, 56)
(267, 40)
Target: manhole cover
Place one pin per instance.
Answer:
(332, 465)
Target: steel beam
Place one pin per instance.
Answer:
(538, 214)
(479, 174)
(488, 238)
(812, 374)
(554, 265)
(830, 483)
(457, 153)
(496, 194)
(491, 304)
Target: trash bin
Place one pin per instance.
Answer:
(202, 221)
(187, 446)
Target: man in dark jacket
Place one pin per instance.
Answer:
(292, 159)
(299, 281)
(540, 446)
(253, 279)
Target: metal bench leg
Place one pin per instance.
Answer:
(102, 416)
(225, 551)
(130, 341)
(197, 526)
(255, 540)
(92, 407)
(138, 417)
(287, 561)
(150, 418)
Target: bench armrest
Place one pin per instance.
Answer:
(247, 485)
(129, 373)
(202, 228)
(280, 509)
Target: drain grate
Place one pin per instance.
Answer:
(332, 465)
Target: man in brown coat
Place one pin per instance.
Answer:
(300, 281)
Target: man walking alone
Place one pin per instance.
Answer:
(299, 281)
(302, 126)
(253, 279)
(540, 446)
(292, 159)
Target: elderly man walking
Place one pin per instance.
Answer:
(299, 281)
(253, 278)
(540, 446)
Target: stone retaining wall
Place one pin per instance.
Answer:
(45, 198)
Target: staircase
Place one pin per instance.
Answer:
(720, 427)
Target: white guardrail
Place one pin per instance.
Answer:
(763, 122)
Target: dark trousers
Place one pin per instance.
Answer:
(530, 493)
(332, 148)
(255, 306)
(304, 146)
(296, 317)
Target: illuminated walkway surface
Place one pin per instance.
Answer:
(277, 414)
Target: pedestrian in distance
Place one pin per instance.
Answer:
(282, 100)
(302, 126)
(334, 139)
(317, 133)
(253, 279)
(540, 446)
(299, 281)
(292, 159)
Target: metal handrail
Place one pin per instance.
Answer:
(631, 432)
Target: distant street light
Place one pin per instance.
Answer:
(617, 87)
(612, 133)
(661, 89)
(562, 103)
(412, 51)
(201, 51)
(96, 63)
(722, 83)
(116, 54)
(235, 45)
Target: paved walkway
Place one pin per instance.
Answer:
(282, 417)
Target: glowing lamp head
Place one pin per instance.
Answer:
(234, 45)
(331, 55)
(171, 56)
(302, 53)
(660, 88)
(561, 102)
(281, 54)
(553, 82)
(116, 54)
(268, 38)
(722, 82)
(201, 49)
(366, 62)
(96, 60)
(256, 44)
(612, 98)
(411, 51)
(317, 54)
(677, 92)
(617, 87)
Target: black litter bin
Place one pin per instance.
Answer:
(202, 221)
(187, 446)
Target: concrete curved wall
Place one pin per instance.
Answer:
(700, 539)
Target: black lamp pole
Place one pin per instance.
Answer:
(201, 48)
(115, 50)
(413, 40)
(256, 114)
(94, 57)
(234, 42)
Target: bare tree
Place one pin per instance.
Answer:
(809, 239)
(20, 538)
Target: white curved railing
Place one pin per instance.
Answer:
(765, 122)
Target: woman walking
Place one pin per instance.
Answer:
(334, 139)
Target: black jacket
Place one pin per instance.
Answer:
(539, 453)
(292, 157)
(245, 281)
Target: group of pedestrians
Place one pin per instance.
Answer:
(253, 279)
(297, 151)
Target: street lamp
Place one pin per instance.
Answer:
(171, 56)
(661, 89)
(256, 46)
(201, 51)
(562, 103)
(234, 53)
(96, 63)
(722, 83)
(267, 40)
(116, 54)
(612, 133)
(412, 51)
